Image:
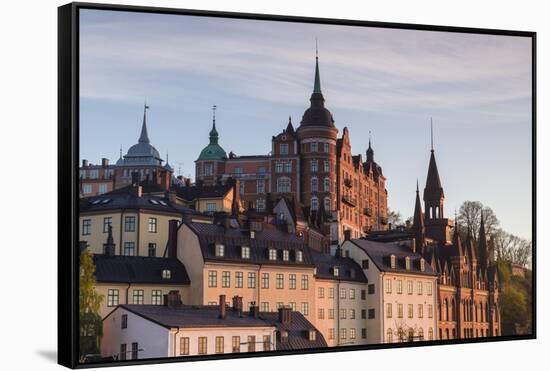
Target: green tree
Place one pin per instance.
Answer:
(90, 300)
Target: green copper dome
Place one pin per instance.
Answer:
(213, 151)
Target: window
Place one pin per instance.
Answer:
(138, 296)
(388, 286)
(392, 261)
(219, 344)
(124, 321)
(430, 311)
(327, 205)
(238, 170)
(251, 343)
(87, 188)
(410, 311)
(238, 279)
(129, 248)
(321, 313)
(202, 345)
(407, 263)
(166, 274)
(210, 207)
(236, 344)
(135, 349)
(388, 310)
(314, 203)
(314, 147)
(152, 225)
(279, 167)
(245, 252)
(86, 227)
(389, 336)
(422, 265)
(265, 280)
(399, 286)
(363, 314)
(429, 288)
(241, 188)
(342, 293)
(314, 166)
(430, 333)
(112, 297)
(343, 334)
(220, 249)
(343, 314)
(184, 346)
(305, 309)
(420, 310)
(299, 256)
(314, 184)
(409, 287)
(331, 292)
(336, 271)
(226, 279)
(260, 205)
(129, 224)
(365, 263)
(272, 254)
(292, 281)
(321, 292)
(102, 188)
(331, 333)
(292, 306)
(156, 297)
(331, 313)
(260, 186)
(326, 167)
(212, 278)
(352, 314)
(251, 280)
(352, 333)
(267, 342)
(286, 255)
(283, 185)
(399, 310)
(363, 333)
(326, 147)
(305, 281)
(287, 167)
(419, 288)
(280, 304)
(279, 281)
(107, 221)
(283, 148)
(371, 289)
(94, 174)
(152, 249)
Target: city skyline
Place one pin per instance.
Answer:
(183, 68)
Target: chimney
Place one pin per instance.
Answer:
(413, 245)
(238, 304)
(84, 163)
(172, 299)
(172, 238)
(222, 307)
(347, 235)
(171, 195)
(285, 315)
(104, 162)
(109, 246)
(254, 310)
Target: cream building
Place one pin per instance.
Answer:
(401, 293)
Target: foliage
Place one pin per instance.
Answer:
(515, 300)
(512, 248)
(394, 217)
(469, 217)
(89, 303)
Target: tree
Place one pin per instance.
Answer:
(512, 248)
(469, 216)
(89, 303)
(394, 217)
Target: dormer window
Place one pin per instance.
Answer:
(245, 252)
(299, 256)
(408, 263)
(220, 250)
(336, 271)
(272, 254)
(392, 261)
(312, 335)
(284, 335)
(422, 265)
(166, 274)
(285, 255)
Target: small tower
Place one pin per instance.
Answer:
(418, 228)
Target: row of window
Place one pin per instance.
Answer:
(236, 344)
(138, 297)
(344, 333)
(408, 335)
(272, 253)
(87, 188)
(123, 355)
(410, 287)
(265, 307)
(344, 293)
(410, 312)
(129, 225)
(314, 166)
(344, 313)
(251, 280)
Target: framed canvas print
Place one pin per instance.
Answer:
(243, 185)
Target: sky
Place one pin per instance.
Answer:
(477, 89)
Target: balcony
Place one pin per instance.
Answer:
(367, 211)
(348, 183)
(383, 220)
(350, 201)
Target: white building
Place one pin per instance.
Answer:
(401, 294)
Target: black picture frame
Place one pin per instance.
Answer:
(68, 166)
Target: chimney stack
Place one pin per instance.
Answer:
(109, 246)
(172, 238)
(172, 299)
(104, 162)
(222, 307)
(285, 315)
(413, 245)
(238, 304)
(347, 235)
(254, 310)
(84, 163)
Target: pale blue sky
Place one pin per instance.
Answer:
(477, 88)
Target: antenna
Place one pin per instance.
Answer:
(316, 49)
(432, 133)
(214, 113)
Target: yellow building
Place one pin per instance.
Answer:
(211, 198)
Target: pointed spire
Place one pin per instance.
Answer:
(120, 154)
(317, 83)
(433, 191)
(418, 222)
(289, 127)
(482, 244)
(144, 137)
(432, 133)
(470, 245)
(457, 244)
(370, 151)
(214, 132)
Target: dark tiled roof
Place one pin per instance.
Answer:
(380, 254)
(348, 269)
(298, 332)
(126, 198)
(234, 238)
(204, 191)
(139, 269)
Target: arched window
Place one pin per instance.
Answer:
(326, 185)
(421, 333)
(446, 310)
(389, 336)
(327, 203)
(314, 184)
(453, 310)
(283, 185)
(430, 333)
(314, 203)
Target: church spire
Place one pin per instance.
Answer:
(214, 132)
(370, 151)
(433, 192)
(317, 83)
(144, 137)
(418, 221)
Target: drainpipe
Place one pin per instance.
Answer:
(128, 292)
(175, 338)
(120, 247)
(337, 313)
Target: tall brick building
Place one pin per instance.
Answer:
(312, 168)
(468, 302)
